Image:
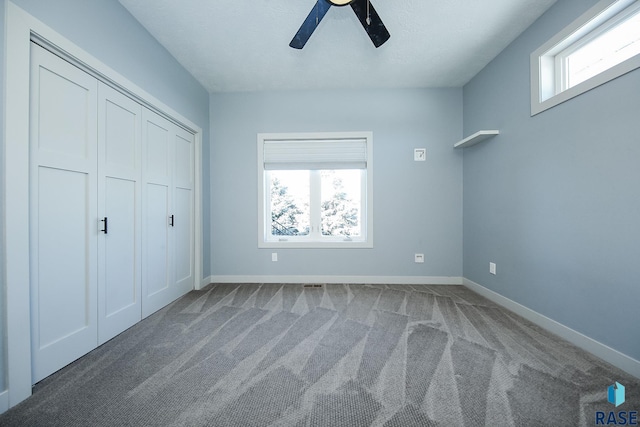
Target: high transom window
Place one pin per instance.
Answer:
(599, 46)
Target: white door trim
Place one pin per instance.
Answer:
(19, 30)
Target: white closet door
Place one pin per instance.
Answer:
(183, 212)
(158, 241)
(63, 217)
(168, 225)
(119, 268)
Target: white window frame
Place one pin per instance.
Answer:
(546, 74)
(315, 239)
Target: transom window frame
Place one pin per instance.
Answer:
(315, 240)
(547, 88)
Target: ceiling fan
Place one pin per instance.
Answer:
(363, 9)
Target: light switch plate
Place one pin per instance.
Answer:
(420, 154)
(419, 258)
(492, 268)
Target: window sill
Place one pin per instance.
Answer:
(315, 245)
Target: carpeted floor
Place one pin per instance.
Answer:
(333, 355)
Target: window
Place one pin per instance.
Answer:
(315, 190)
(599, 46)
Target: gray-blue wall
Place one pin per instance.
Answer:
(554, 200)
(417, 206)
(107, 31)
(3, 332)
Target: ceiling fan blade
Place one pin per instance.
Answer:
(309, 25)
(375, 28)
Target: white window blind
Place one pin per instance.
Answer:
(314, 154)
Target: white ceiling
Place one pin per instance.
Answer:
(244, 45)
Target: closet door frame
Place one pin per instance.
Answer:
(20, 29)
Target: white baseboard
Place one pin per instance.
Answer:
(205, 282)
(392, 280)
(604, 352)
(4, 401)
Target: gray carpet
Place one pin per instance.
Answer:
(335, 355)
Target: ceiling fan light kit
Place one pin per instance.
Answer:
(363, 9)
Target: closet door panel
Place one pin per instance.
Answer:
(184, 159)
(183, 227)
(157, 289)
(119, 191)
(63, 226)
(157, 241)
(122, 131)
(63, 215)
(119, 268)
(64, 111)
(157, 139)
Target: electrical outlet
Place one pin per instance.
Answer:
(274, 256)
(492, 268)
(419, 258)
(420, 154)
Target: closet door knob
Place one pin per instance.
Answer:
(171, 220)
(106, 225)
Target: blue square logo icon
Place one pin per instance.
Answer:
(616, 394)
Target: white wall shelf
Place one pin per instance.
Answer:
(475, 138)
